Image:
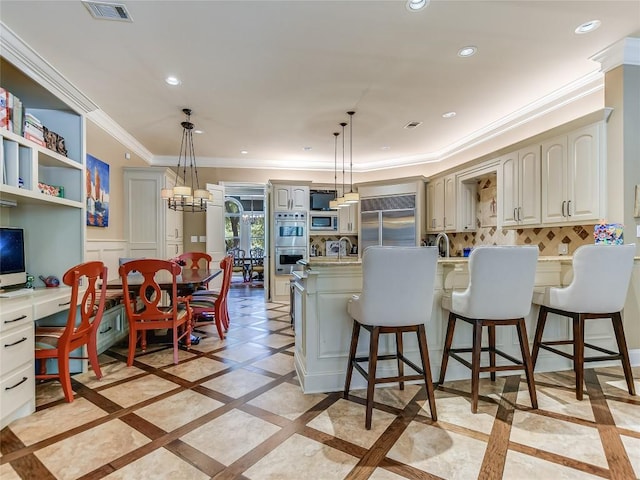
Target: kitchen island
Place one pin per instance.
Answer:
(323, 328)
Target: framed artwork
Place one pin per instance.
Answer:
(97, 192)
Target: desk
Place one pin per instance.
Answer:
(187, 281)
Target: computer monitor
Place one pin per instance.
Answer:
(12, 264)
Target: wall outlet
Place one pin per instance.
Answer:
(203, 238)
(563, 249)
(194, 238)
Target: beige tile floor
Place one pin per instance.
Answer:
(233, 409)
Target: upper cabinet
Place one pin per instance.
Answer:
(573, 169)
(441, 204)
(46, 188)
(348, 219)
(291, 197)
(519, 178)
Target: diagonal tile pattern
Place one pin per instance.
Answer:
(234, 409)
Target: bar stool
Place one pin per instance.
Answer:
(601, 276)
(501, 281)
(397, 297)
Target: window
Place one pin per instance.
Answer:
(232, 222)
(244, 222)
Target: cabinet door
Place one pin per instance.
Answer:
(467, 207)
(450, 203)
(583, 196)
(509, 190)
(347, 223)
(438, 205)
(281, 197)
(299, 198)
(431, 199)
(529, 185)
(554, 180)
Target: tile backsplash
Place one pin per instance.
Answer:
(487, 233)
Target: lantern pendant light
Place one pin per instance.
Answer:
(351, 197)
(333, 204)
(341, 200)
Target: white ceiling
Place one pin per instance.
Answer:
(273, 77)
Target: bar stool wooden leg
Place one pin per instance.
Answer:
(399, 350)
(526, 359)
(371, 380)
(542, 319)
(451, 325)
(426, 368)
(492, 351)
(616, 319)
(578, 353)
(475, 364)
(352, 355)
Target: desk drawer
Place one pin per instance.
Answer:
(16, 348)
(51, 306)
(17, 389)
(16, 318)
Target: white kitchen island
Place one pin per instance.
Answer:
(323, 327)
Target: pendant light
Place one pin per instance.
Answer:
(342, 202)
(186, 194)
(333, 204)
(351, 197)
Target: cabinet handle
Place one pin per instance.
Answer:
(519, 214)
(515, 214)
(24, 379)
(563, 205)
(569, 208)
(65, 303)
(176, 232)
(21, 317)
(105, 331)
(23, 339)
(176, 249)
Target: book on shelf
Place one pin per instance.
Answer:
(4, 108)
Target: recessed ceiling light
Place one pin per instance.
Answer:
(449, 114)
(416, 5)
(172, 81)
(386, 147)
(306, 149)
(243, 152)
(198, 131)
(588, 27)
(467, 51)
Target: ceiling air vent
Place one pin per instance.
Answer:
(108, 11)
(411, 125)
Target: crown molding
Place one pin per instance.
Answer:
(114, 129)
(16, 51)
(624, 52)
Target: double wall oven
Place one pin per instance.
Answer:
(291, 240)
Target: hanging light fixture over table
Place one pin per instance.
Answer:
(186, 194)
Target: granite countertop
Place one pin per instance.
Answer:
(354, 260)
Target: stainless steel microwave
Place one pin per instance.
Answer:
(327, 222)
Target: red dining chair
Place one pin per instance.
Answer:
(153, 315)
(58, 342)
(195, 261)
(211, 307)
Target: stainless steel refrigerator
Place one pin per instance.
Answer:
(388, 221)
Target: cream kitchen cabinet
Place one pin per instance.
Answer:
(441, 204)
(573, 176)
(152, 230)
(290, 197)
(519, 187)
(348, 219)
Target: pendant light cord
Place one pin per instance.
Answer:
(335, 161)
(343, 124)
(351, 114)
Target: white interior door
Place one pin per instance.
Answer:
(215, 229)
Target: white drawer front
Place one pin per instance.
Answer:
(49, 307)
(16, 318)
(16, 348)
(17, 389)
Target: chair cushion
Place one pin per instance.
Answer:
(47, 337)
(202, 302)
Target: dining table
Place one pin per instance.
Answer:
(187, 282)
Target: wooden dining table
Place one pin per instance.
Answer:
(187, 282)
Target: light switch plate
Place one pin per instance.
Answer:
(638, 231)
(563, 249)
(203, 238)
(194, 238)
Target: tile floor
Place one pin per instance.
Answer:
(233, 409)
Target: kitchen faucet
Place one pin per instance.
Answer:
(440, 236)
(340, 245)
